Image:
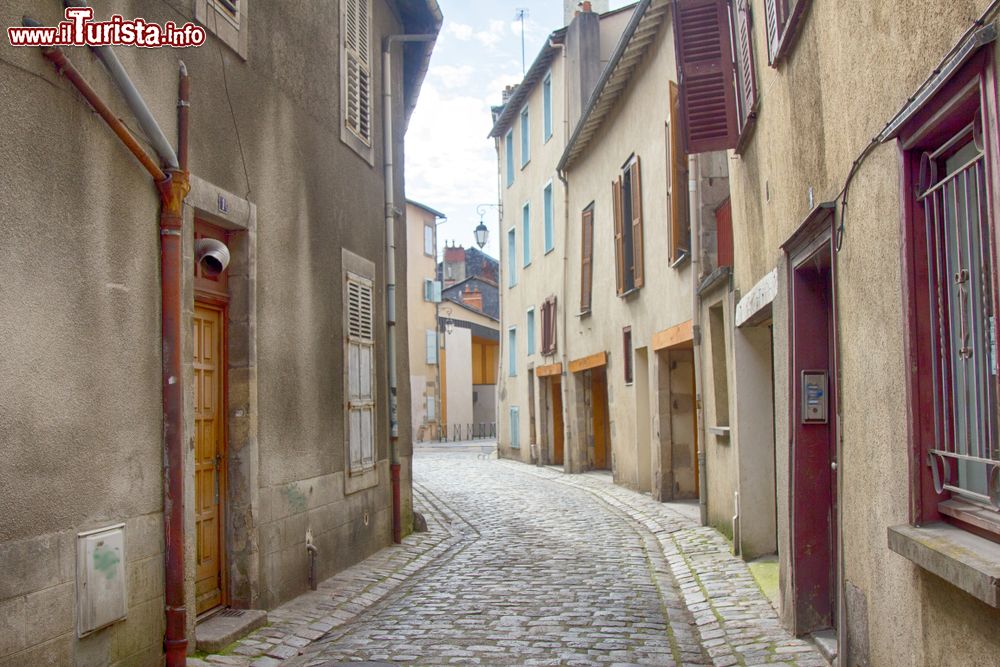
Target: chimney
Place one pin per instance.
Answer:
(507, 92)
(572, 7)
(473, 298)
(583, 55)
(454, 265)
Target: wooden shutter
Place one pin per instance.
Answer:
(357, 85)
(679, 240)
(637, 251)
(549, 326)
(705, 69)
(587, 261)
(360, 374)
(616, 196)
(771, 21)
(745, 65)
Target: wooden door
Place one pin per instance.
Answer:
(209, 447)
(557, 421)
(599, 406)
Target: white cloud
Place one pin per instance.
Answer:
(453, 76)
(461, 31)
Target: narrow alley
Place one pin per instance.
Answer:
(528, 566)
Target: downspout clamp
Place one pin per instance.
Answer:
(390, 261)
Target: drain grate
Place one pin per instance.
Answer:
(232, 613)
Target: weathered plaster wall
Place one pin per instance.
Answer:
(853, 66)
(422, 318)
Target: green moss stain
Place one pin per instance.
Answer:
(106, 561)
(295, 498)
(765, 573)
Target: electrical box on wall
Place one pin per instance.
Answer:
(815, 401)
(101, 595)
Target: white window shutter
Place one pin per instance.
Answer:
(431, 408)
(437, 291)
(357, 48)
(432, 346)
(360, 374)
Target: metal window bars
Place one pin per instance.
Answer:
(966, 456)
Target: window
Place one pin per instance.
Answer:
(509, 156)
(627, 362)
(515, 428)
(227, 20)
(717, 108)
(720, 373)
(525, 138)
(627, 198)
(677, 185)
(432, 291)
(782, 18)
(360, 374)
(531, 331)
(431, 409)
(549, 326)
(952, 305)
(526, 233)
(511, 257)
(549, 215)
(356, 83)
(429, 246)
(547, 107)
(587, 258)
(512, 352)
(432, 347)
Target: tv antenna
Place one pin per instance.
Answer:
(520, 14)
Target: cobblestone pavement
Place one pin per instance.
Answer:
(529, 566)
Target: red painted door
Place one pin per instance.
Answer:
(813, 455)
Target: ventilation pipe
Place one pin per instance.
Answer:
(390, 269)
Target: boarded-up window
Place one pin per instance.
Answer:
(627, 196)
(360, 374)
(718, 88)
(357, 71)
(549, 326)
(587, 259)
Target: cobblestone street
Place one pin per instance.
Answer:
(528, 566)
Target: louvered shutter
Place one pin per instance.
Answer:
(745, 64)
(357, 83)
(637, 249)
(552, 324)
(431, 341)
(360, 374)
(705, 68)
(771, 21)
(679, 241)
(587, 260)
(616, 196)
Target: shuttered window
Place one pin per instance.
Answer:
(718, 88)
(432, 291)
(432, 346)
(587, 259)
(547, 108)
(525, 137)
(531, 331)
(548, 213)
(511, 257)
(512, 352)
(360, 374)
(677, 176)
(526, 233)
(627, 365)
(549, 326)
(627, 196)
(782, 18)
(357, 71)
(509, 156)
(515, 428)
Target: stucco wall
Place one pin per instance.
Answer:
(81, 422)
(422, 317)
(853, 66)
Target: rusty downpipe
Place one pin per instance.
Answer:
(173, 188)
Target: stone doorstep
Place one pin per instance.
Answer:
(826, 642)
(222, 629)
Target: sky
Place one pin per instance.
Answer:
(451, 165)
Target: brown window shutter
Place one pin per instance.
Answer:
(745, 69)
(637, 253)
(705, 69)
(546, 327)
(616, 195)
(771, 19)
(678, 179)
(587, 260)
(551, 347)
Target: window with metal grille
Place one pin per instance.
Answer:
(949, 248)
(357, 78)
(360, 374)
(627, 199)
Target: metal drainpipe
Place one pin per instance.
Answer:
(694, 211)
(133, 98)
(563, 388)
(390, 260)
(173, 187)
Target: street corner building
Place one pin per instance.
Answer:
(748, 257)
(201, 332)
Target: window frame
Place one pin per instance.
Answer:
(677, 186)
(364, 148)
(512, 354)
(524, 125)
(512, 257)
(547, 108)
(233, 31)
(530, 331)
(433, 244)
(548, 219)
(360, 270)
(587, 260)
(972, 88)
(629, 228)
(514, 422)
(526, 234)
(787, 22)
(429, 345)
(628, 360)
(509, 155)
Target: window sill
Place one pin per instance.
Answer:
(584, 313)
(550, 250)
(682, 260)
(630, 294)
(963, 559)
(525, 164)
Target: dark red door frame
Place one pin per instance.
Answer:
(813, 446)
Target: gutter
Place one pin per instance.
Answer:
(173, 186)
(390, 260)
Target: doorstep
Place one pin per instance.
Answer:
(220, 630)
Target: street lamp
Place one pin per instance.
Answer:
(482, 232)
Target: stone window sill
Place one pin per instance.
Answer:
(965, 560)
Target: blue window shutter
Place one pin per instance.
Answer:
(547, 103)
(531, 332)
(526, 233)
(511, 258)
(550, 242)
(515, 428)
(437, 291)
(512, 352)
(432, 347)
(509, 150)
(525, 137)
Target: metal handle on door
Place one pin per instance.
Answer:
(833, 466)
